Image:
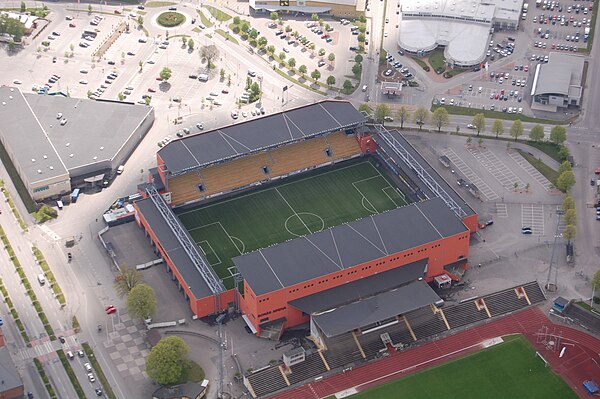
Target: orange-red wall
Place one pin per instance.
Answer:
(274, 305)
(161, 169)
(471, 223)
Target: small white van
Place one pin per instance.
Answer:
(365, 88)
(120, 169)
(41, 279)
(60, 205)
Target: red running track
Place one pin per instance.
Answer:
(579, 363)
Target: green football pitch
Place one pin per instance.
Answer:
(294, 208)
(507, 370)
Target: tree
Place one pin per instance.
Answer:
(209, 53)
(570, 217)
(89, 93)
(421, 116)
(563, 152)
(362, 19)
(440, 118)
(141, 301)
(558, 134)
(327, 27)
(479, 122)
(566, 165)
(12, 27)
(288, 29)
(166, 361)
(358, 58)
(236, 20)
(357, 70)
(190, 44)
(316, 75)
(402, 114)
(23, 7)
(498, 127)
(292, 63)
(274, 16)
(165, 74)
(569, 232)
(330, 81)
(314, 17)
(382, 112)
(282, 56)
(90, 9)
(331, 57)
(148, 99)
(347, 86)
(565, 181)
(302, 69)
(364, 107)
(271, 49)
(121, 96)
(568, 203)
(321, 52)
(362, 29)
(140, 21)
(537, 133)
(253, 33)
(126, 279)
(222, 73)
(516, 130)
(262, 41)
(361, 38)
(596, 279)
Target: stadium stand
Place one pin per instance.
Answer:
(184, 188)
(311, 366)
(342, 351)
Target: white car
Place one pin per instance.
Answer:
(200, 126)
(244, 114)
(234, 114)
(385, 34)
(91, 377)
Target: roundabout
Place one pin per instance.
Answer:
(170, 19)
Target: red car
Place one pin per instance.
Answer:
(72, 25)
(110, 309)
(325, 36)
(224, 91)
(151, 90)
(526, 68)
(158, 78)
(108, 81)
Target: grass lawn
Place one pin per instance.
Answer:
(549, 148)
(305, 205)
(156, 4)
(218, 14)
(508, 370)
(455, 110)
(453, 72)
(422, 63)
(544, 169)
(192, 372)
(204, 19)
(436, 60)
(226, 36)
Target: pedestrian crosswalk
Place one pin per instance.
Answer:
(44, 347)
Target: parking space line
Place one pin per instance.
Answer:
(537, 176)
(467, 172)
(532, 215)
(501, 210)
(497, 168)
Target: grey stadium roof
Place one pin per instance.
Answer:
(93, 129)
(376, 308)
(175, 251)
(231, 141)
(363, 288)
(347, 245)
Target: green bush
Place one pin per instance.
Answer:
(45, 213)
(170, 19)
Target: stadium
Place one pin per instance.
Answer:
(311, 215)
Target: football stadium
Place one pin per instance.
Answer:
(274, 216)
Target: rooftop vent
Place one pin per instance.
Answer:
(102, 148)
(40, 171)
(11, 97)
(45, 156)
(68, 144)
(3, 103)
(32, 159)
(70, 155)
(51, 167)
(95, 158)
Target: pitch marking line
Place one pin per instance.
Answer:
(364, 198)
(293, 210)
(385, 192)
(226, 233)
(212, 250)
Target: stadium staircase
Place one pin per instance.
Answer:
(342, 351)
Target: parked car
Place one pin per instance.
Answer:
(110, 309)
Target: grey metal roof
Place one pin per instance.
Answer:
(234, 140)
(363, 288)
(426, 165)
(94, 129)
(8, 372)
(375, 308)
(175, 251)
(560, 75)
(347, 245)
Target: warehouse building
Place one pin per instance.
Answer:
(338, 8)
(558, 83)
(70, 142)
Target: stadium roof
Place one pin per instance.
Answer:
(375, 308)
(561, 75)
(347, 245)
(231, 141)
(169, 242)
(439, 180)
(95, 130)
(363, 288)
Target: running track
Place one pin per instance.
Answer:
(580, 361)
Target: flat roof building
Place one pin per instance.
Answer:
(462, 26)
(69, 140)
(559, 83)
(339, 8)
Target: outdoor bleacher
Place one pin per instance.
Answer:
(342, 350)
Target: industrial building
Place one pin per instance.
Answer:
(284, 284)
(70, 142)
(338, 8)
(426, 25)
(558, 83)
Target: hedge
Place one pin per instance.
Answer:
(58, 294)
(71, 374)
(99, 373)
(47, 384)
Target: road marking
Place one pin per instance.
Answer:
(467, 172)
(532, 215)
(501, 210)
(506, 177)
(533, 172)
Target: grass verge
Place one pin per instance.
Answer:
(42, 372)
(454, 72)
(16, 179)
(99, 373)
(71, 374)
(454, 110)
(548, 148)
(13, 207)
(422, 64)
(545, 170)
(58, 294)
(437, 60)
(218, 14)
(192, 372)
(13, 312)
(226, 36)
(204, 19)
(157, 4)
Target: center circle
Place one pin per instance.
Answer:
(170, 19)
(304, 223)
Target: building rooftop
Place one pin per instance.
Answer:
(95, 130)
(363, 288)
(173, 248)
(347, 245)
(231, 141)
(376, 308)
(8, 372)
(562, 75)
